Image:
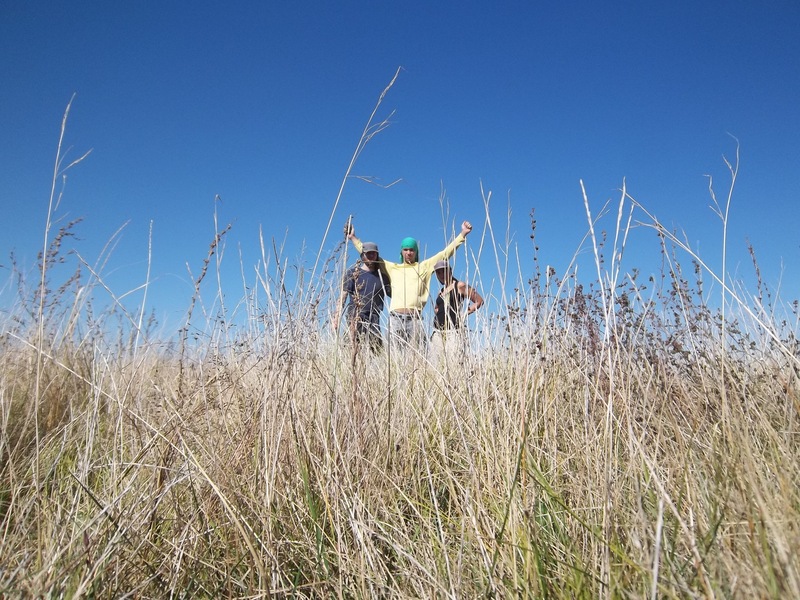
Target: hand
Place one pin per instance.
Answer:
(466, 227)
(349, 230)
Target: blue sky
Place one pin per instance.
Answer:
(263, 104)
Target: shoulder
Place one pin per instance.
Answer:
(428, 263)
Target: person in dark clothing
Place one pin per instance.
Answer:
(363, 291)
(449, 317)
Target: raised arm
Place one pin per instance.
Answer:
(350, 234)
(466, 227)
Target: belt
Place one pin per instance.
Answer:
(406, 316)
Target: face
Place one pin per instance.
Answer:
(441, 275)
(371, 259)
(409, 255)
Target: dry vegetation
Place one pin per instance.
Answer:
(604, 441)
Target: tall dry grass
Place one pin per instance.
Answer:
(605, 437)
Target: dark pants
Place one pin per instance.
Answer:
(367, 332)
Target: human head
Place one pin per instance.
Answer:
(442, 270)
(370, 254)
(409, 243)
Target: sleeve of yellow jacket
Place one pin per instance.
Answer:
(444, 254)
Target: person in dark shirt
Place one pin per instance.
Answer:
(363, 291)
(449, 317)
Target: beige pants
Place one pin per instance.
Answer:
(448, 348)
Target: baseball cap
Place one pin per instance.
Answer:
(369, 247)
(441, 264)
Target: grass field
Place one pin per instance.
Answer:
(596, 442)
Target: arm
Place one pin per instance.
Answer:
(466, 228)
(476, 300)
(350, 234)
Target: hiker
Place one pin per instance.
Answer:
(449, 319)
(410, 282)
(363, 290)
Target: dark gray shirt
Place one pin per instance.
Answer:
(366, 291)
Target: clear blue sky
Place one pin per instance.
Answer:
(263, 103)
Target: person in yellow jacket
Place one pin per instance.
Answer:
(410, 282)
